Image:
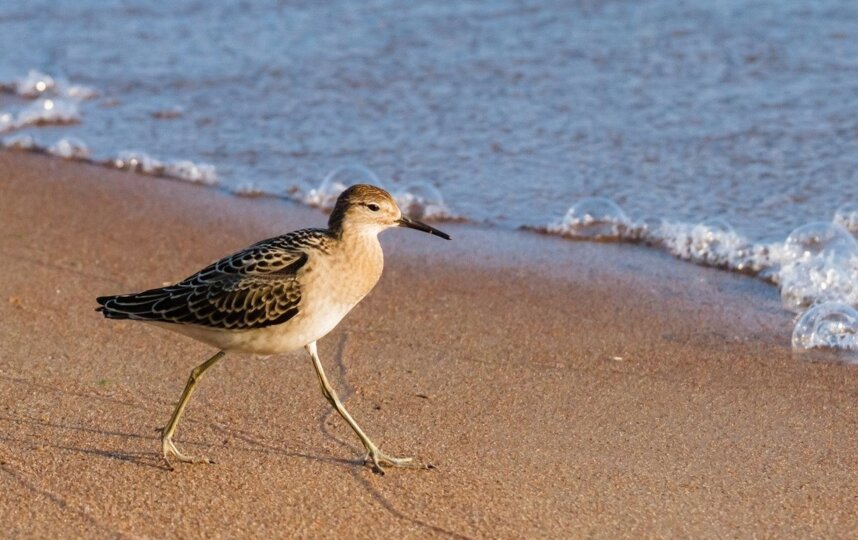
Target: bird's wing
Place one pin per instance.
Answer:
(253, 288)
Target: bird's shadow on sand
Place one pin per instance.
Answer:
(149, 458)
(253, 443)
(144, 459)
(358, 473)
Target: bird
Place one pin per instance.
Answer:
(278, 295)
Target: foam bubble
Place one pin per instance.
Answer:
(198, 173)
(818, 279)
(818, 263)
(138, 162)
(34, 84)
(819, 239)
(713, 242)
(422, 201)
(48, 111)
(336, 181)
(847, 217)
(69, 148)
(593, 218)
(831, 325)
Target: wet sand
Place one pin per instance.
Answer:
(560, 389)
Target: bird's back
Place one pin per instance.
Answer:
(256, 287)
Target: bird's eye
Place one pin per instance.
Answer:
(373, 207)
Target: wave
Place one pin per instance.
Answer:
(37, 84)
(139, 162)
(815, 267)
(55, 101)
(418, 200)
(44, 112)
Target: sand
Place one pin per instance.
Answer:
(560, 389)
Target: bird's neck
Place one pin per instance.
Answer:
(360, 240)
(361, 255)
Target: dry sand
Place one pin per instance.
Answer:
(560, 389)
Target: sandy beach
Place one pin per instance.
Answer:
(559, 389)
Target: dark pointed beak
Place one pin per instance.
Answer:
(414, 224)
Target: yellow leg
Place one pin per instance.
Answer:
(167, 446)
(372, 452)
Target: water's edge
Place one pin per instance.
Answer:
(815, 267)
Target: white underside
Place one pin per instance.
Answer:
(292, 335)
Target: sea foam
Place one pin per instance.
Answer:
(55, 101)
(140, 162)
(70, 148)
(36, 84)
(831, 326)
(46, 111)
(336, 181)
(816, 265)
(418, 200)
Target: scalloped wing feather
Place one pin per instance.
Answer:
(253, 288)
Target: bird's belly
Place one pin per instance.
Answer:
(304, 328)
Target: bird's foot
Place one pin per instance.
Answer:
(168, 448)
(379, 458)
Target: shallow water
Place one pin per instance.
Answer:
(514, 110)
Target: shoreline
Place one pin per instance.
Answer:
(691, 247)
(559, 388)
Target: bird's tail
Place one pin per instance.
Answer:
(107, 305)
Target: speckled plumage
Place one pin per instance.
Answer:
(277, 295)
(252, 288)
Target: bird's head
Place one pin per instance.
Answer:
(372, 209)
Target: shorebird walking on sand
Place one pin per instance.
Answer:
(278, 295)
